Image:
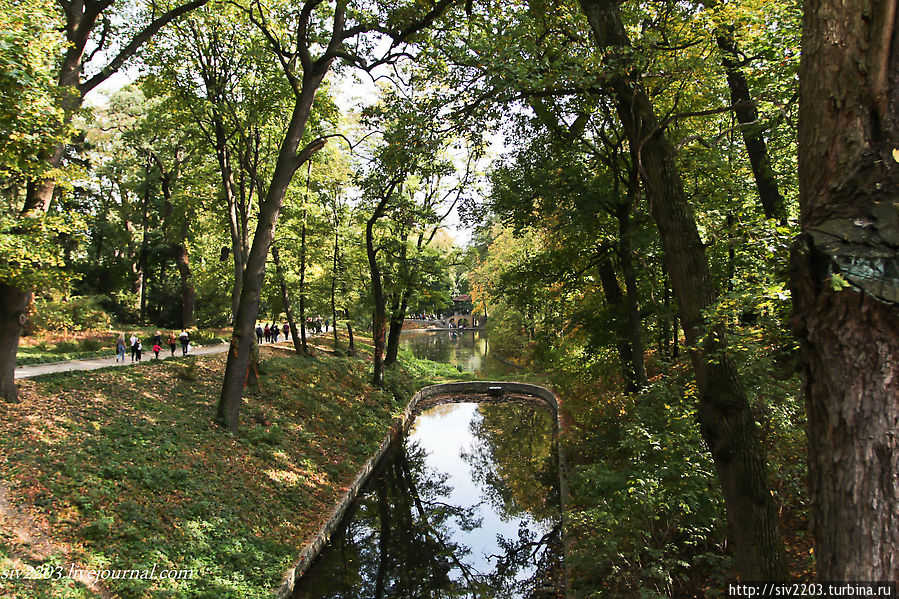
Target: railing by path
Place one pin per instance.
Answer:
(494, 390)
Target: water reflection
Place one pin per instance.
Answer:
(469, 350)
(466, 506)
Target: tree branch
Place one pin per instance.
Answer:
(128, 51)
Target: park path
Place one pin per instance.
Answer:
(24, 372)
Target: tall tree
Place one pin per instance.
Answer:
(321, 36)
(726, 419)
(84, 43)
(845, 283)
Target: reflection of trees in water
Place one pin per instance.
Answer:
(514, 463)
(514, 460)
(399, 541)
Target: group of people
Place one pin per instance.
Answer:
(270, 333)
(137, 347)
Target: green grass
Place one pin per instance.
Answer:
(127, 467)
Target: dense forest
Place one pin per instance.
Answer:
(680, 215)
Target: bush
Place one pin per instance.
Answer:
(92, 344)
(78, 313)
(67, 347)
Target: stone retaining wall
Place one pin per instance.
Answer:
(314, 547)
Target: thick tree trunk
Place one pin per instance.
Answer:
(349, 331)
(726, 420)
(335, 268)
(188, 290)
(238, 241)
(13, 312)
(848, 176)
(379, 316)
(285, 297)
(244, 336)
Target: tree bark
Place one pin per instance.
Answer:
(379, 316)
(614, 298)
(847, 326)
(335, 268)
(238, 241)
(632, 299)
(244, 336)
(188, 290)
(13, 313)
(303, 287)
(726, 420)
(397, 318)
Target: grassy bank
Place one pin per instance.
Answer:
(126, 468)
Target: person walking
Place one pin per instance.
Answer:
(268, 333)
(133, 341)
(156, 349)
(185, 342)
(275, 333)
(172, 342)
(259, 334)
(137, 349)
(120, 347)
(157, 338)
(286, 330)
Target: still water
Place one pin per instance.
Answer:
(465, 505)
(469, 350)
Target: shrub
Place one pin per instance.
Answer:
(67, 347)
(92, 344)
(75, 314)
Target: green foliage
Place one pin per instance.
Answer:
(30, 111)
(31, 255)
(79, 313)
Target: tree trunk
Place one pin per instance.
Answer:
(335, 267)
(379, 314)
(188, 291)
(772, 201)
(349, 331)
(612, 290)
(397, 318)
(303, 287)
(238, 241)
(13, 313)
(632, 300)
(726, 420)
(244, 335)
(847, 326)
(144, 248)
(285, 297)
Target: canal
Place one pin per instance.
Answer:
(464, 505)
